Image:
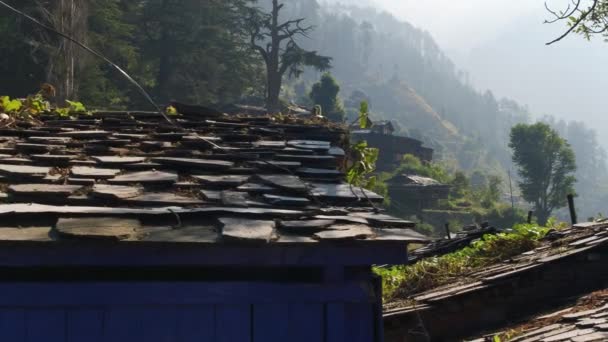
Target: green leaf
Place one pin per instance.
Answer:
(63, 112)
(76, 107)
(171, 110)
(9, 105)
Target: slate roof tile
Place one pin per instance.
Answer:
(112, 173)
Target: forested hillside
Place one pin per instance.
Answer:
(408, 78)
(200, 52)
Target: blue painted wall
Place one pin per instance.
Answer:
(184, 312)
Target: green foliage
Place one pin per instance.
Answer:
(33, 105)
(546, 166)
(404, 281)
(171, 110)
(73, 107)
(363, 165)
(9, 106)
(410, 164)
(585, 18)
(325, 93)
(364, 162)
(460, 184)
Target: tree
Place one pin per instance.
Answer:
(325, 94)
(546, 166)
(583, 17)
(276, 42)
(198, 50)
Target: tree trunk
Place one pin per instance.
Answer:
(70, 17)
(542, 216)
(272, 64)
(164, 65)
(274, 90)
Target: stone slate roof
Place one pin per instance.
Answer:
(567, 264)
(132, 176)
(415, 180)
(581, 238)
(585, 321)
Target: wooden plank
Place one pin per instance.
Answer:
(234, 198)
(84, 325)
(308, 159)
(233, 323)
(315, 145)
(45, 325)
(247, 230)
(312, 172)
(257, 188)
(364, 315)
(13, 324)
(54, 159)
(336, 323)
(36, 295)
(306, 322)
(85, 134)
(345, 232)
(295, 239)
(22, 208)
(43, 190)
(162, 199)
(596, 336)
(119, 324)
(195, 163)
(275, 166)
(197, 234)
(384, 221)
(140, 254)
(285, 182)
(145, 177)
(339, 218)
(98, 227)
(196, 324)
(400, 234)
(343, 192)
(158, 323)
(307, 227)
(93, 172)
(24, 171)
(222, 181)
(117, 160)
(25, 234)
(115, 192)
(286, 201)
(270, 322)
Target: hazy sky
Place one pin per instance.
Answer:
(501, 44)
(460, 25)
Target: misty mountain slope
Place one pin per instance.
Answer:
(408, 78)
(414, 108)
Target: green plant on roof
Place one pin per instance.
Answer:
(72, 108)
(364, 157)
(171, 110)
(405, 281)
(10, 106)
(33, 105)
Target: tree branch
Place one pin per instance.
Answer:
(577, 22)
